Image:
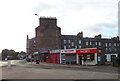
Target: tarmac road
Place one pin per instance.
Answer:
(57, 71)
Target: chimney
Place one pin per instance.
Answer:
(27, 37)
(116, 38)
(48, 21)
(98, 36)
(80, 34)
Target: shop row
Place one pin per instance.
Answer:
(88, 56)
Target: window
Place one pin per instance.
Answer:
(109, 44)
(90, 43)
(34, 41)
(95, 43)
(64, 41)
(64, 47)
(79, 41)
(76, 47)
(99, 43)
(118, 44)
(115, 49)
(105, 44)
(68, 41)
(72, 43)
(69, 46)
(110, 49)
(114, 44)
(86, 43)
(106, 49)
(79, 46)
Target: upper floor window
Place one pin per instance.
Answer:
(76, 47)
(68, 41)
(118, 44)
(110, 49)
(90, 43)
(99, 43)
(106, 44)
(64, 47)
(79, 41)
(69, 46)
(79, 46)
(115, 49)
(86, 43)
(109, 44)
(114, 44)
(64, 41)
(106, 49)
(95, 43)
(34, 41)
(72, 43)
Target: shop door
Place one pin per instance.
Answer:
(113, 58)
(44, 57)
(80, 60)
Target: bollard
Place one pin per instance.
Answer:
(9, 63)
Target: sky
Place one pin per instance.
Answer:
(92, 17)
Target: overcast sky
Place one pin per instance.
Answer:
(93, 17)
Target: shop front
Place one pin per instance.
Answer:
(55, 56)
(44, 55)
(68, 56)
(88, 56)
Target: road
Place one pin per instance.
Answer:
(56, 71)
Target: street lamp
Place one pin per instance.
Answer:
(38, 19)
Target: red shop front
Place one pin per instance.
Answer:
(87, 56)
(53, 56)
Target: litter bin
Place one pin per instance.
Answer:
(37, 61)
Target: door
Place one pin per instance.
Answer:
(80, 60)
(113, 58)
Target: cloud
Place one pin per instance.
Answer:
(42, 6)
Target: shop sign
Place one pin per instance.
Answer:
(44, 51)
(83, 51)
(35, 52)
(43, 48)
(68, 51)
(54, 51)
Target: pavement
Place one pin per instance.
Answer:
(27, 70)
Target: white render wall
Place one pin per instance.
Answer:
(91, 62)
(87, 62)
(108, 56)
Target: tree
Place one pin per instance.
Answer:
(9, 53)
(5, 53)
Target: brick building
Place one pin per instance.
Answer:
(48, 36)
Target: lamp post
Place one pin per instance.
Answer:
(37, 56)
(38, 19)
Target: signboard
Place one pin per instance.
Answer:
(35, 52)
(44, 51)
(88, 51)
(42, 48)
(54, 51)
(68, 51)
